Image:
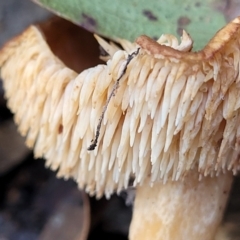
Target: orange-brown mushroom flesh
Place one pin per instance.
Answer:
(174, 113)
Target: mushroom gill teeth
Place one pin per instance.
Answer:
(170, 113)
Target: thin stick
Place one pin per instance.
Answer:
(115, 86)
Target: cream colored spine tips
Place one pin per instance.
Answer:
(173, 110)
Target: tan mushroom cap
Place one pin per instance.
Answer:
(173, 110)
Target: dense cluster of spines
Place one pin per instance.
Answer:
(167, 116)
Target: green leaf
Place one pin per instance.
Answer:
(129, 19)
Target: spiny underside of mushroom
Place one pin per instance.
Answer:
(173, 110)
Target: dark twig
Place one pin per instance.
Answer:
(115, 87)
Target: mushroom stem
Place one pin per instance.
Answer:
(188, 209)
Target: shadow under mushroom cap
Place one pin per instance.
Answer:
(172, 111)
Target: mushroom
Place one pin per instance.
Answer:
(169, 119)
